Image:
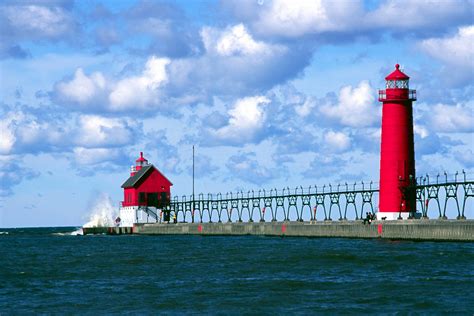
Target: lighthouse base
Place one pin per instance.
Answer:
(131, 215)
(391, 216)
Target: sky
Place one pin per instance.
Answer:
(271, 94)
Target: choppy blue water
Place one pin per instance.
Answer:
(48, 271)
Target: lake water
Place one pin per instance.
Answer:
(49, 271)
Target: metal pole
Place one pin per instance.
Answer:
(192, 215)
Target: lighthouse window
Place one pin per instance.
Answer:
(400, 84)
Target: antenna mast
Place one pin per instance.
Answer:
(193, 188)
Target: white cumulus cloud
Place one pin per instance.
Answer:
(82, 90)
(235, 63)
(37, 20)
(95, 92)
(91, 156)
(455, 52)
(306, 108)
(140, 91)
(300, 17)
(420, 130)
(451, 118)
(245, 119)
(457, 49)
(7, 135)
(96, 131)
(337, 141)
(21, 131)
(24, 131)
(417, 14)
(233, 41)
(355, 106)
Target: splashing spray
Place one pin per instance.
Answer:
(103, 213)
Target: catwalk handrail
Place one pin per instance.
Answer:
(285, 192)
(303, 203)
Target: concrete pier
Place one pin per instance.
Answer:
(447, 230)
(107, 230)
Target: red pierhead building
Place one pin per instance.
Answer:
(397, 154)
(145, 192)
(147, 186)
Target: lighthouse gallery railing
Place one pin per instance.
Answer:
(400, 95)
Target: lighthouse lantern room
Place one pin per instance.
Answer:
(397, 153)
(146, 193)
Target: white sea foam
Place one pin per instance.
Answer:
(102, 213)
(77, 232)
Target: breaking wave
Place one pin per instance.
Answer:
(77, 232)
(102, 213)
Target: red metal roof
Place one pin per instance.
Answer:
(397, 74)
(136, 179)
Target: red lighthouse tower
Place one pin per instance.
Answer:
(397, 155)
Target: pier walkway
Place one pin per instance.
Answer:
(447, 230)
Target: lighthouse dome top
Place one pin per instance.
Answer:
(140, 163)
(141, 159)
(397, 74)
